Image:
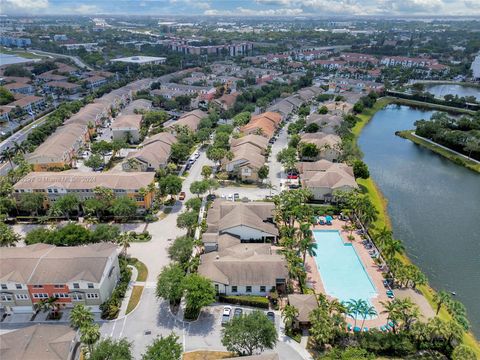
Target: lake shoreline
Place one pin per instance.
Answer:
(443, 151)
(380, 202)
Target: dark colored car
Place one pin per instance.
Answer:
(237, 312)
(182, 196)
(271, 316)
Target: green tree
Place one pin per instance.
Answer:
(263, 172)
(441, 298)
(199, 187)
(322, 110)
(187, 220)
(101, 147)
(164, 348)
(179, 152)
(199, 292)
(249, 333)
(6, 96)
(170, 185)
(8, 237)
(105, 233)
(39, 235)
(80, 316)
(7, 155)
(70, 235)
(206, 171)
(193, 204)
(65, 205)
(109, 349)
(350, 353)
(89, 335)
(360, 170)
(124, 241)
(308, 150)
(287, 157)
(170, 283)
(31, 202)
(463, 352)
(216, 153)
(181, 250)
(312, 128)
(289, 314)
(124, 207)
(95, 161)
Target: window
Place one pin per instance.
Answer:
(21, 297)
(248, 289)
(4, 286)
(38, 286)
(76, 296)
(18, 286)
(40, 296)
(61, 295)
(92, 296)
(90, 285)
(234, 289)
(216, 288)
(58, 286)
(263, 288)
(76, 286)
(6, 297)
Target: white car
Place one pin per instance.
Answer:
(230, 197)
(227, 310)
(196, 155)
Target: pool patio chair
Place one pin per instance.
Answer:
(383, 328)
(391, 324)
(356, 329)
(349, 327)
(365, 329)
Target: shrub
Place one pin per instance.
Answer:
(111, 307)
(247, 300)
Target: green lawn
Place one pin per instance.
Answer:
(460, 160)
(141, 268)
(134, 298)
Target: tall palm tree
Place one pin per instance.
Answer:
(368, 311)
(80, 316)
(270, 187)
(306, 244)
(289, 314)
(382, 236)
(49, 305)
(392, 248)
(124, 241)
(440, 298)
(7, 155)
(355, 308)
(19, 148)
(391, 309)
(90, 334)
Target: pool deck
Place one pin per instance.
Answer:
(313, 276)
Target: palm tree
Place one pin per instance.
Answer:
(90, 334)
(440, 298)
(270, 187)
(305, 244)
(382, 236)
(48, 305)
(392, 248)
(355, 308)
(289, 314)
(368, 311)
(19, 148)
(8, 155)
(124, 241)
(80, 316)
(391, 309)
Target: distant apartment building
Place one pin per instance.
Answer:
(94, 82)
(11, 41)
(185, 47)
(86, 46)
(60, 37)
(408, 62)
(141, 60)
(476, 68)
(20, 88)
(73, 275)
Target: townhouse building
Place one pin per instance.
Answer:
(239, 258)
(73, 275)
(20, 88)
(54, 185)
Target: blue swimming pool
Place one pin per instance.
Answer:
(340, 268)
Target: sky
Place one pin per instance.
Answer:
(268, 8)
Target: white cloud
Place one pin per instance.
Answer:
(28, 4)
(240, 11)
(86, 9)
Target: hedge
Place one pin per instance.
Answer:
(256, 301)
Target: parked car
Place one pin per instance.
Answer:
(236, 196)
(237, 312)
(230, 197)
(227, 310)
(196, 155)
(211, 197)
(182, 196)
(271, 316)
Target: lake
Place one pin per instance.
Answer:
(433, 203)
(7, 59)
(440, 90)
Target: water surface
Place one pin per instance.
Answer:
(441, 90)
(433, 203)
